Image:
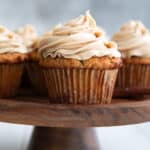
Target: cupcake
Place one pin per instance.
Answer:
(133, 41)
(13, 54)
(79, 64)
(29, 36)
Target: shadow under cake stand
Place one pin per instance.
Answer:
(69, 127)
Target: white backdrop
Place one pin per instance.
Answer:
(133, 137)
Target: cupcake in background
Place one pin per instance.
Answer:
(13, 54)
(28, 34)
(133, 41)
(30, 39)
(79, 64)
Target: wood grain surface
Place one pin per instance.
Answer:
(34, 110)
(130, 92)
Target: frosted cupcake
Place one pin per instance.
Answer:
(29, 36)
(133, 41)
(13, 54)
(79, 64)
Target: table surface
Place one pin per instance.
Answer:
(35, 110)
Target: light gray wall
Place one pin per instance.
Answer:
(45, 13)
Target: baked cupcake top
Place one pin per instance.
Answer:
(28, 34)
(10, 42)
(133, 39)
(78, 39)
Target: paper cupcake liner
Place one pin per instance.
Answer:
(134, 76)
(80, 86)
(36, 78)
(10, 78)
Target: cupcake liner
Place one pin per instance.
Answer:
(134, 76)
(10, 78)
(36, 78)
(80, 86)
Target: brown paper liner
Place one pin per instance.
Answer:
(10, 78)
(134, 76)
(36, 78)
(80, 86)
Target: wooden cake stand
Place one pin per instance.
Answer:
(66, 127)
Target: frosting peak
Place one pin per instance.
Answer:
(133, 39)
(79, 39)
(10, 42)
(135, 27)
(28, 34)
(84, 24)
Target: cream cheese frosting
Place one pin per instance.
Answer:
(133, 39)
(10, 42)
(28, 34)
(79, 39)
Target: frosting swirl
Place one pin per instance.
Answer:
(133, 39)
(10, 42)
(79, 39)
(28, 34)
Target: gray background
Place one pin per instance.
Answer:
(44, 14)
(109, 14)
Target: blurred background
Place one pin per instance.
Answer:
(44, 14)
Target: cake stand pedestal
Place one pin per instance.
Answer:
(66, 127)
(45, 138)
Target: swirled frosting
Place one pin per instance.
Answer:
(10, 42)
(133, 39)
(28, 34)
(79, 39)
